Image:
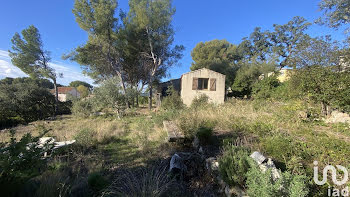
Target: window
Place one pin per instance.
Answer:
(203, 83)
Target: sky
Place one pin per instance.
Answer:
(194, 21)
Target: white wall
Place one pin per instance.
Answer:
(187, 94)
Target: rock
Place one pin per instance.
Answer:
(173, 131)
(338, 117)
(265, 165)
(195, 142)
(176, 164)
(258, 157)
(212, 164)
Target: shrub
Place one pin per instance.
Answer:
(19, 161)
(24, 102)
(265, 88)
(173, 101)
(262, 184)
(97, 182)
(153, 182)
(233, 165)
(190, 126)
(86, 137)
(200, 100)
(204, 134)
(82, 107)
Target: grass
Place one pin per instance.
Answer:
(105, 144)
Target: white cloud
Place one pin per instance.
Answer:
(70, 72)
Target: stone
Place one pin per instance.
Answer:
(212, 164)
(195, 142)
(176, 164)
(173, 131)
(258, 157)
(338, 117)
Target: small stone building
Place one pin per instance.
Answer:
(195, 83)
(203, 81)
(63, 93)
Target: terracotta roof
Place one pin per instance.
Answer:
(62, 90)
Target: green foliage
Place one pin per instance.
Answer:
(109, 95)
(233, 165)
(335, 13)
(204, 134)
(190, 126)
(83, 91)
(262, 184)
(86, 137)
(77, 83)
(264, 89)
(173, 100)
(19, 161)
(216, 55)
(247, 75)
(23, 103)
(82, 108)
(97, 182)
(323, 85)
(199, 101)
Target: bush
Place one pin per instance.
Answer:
(19, 161)
(97, 182)
(233, 165)
(153, 182)
(86, 137)
(204, 134)
(262, 184)
(265, 88)
(200, 100)
(82, 107)
(190, 126)
(23, 103)
(173, 101)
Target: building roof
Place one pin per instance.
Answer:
(200, 70)
(62, 90)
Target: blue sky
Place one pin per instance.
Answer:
(194, 21)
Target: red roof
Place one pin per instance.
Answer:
(62, 90)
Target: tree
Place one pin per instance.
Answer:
(77, 83)
(23, 102)
(335, 12)
(99, 56)
(153, 19)
(247, 75)
(218, 55)
(319, 51)
(83, 91)
(29, 56)
(287, 37)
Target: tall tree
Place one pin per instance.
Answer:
(78, 83)
(218, 55)
(336, 12)
(320, 51)
(154, 19)
(28, 54)
(287, 37)
(99, 56)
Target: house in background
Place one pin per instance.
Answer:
(65, 92)
(282, 75)
(195, 83)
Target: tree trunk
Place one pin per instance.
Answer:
(325, 109)
(124, 89)
(56, 96)
(150, 96)
(137, 100)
